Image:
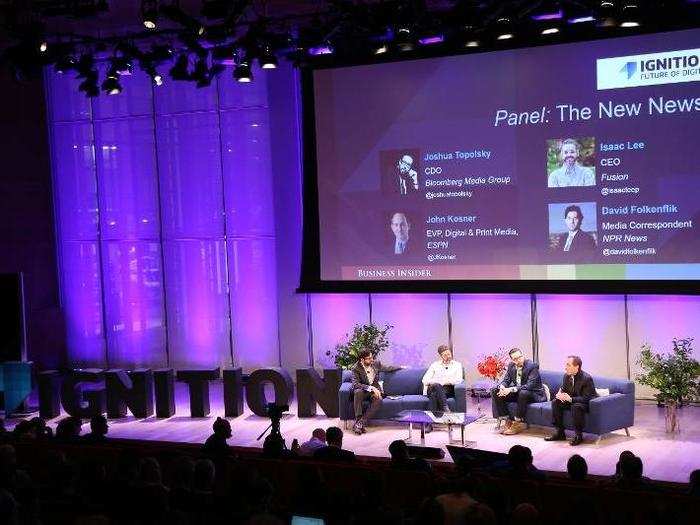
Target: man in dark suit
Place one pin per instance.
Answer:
(365, 386)
(334, 451)
(575, 243)
(522, 384)
(576, 391)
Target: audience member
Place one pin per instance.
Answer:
(577, 468)
(400, 458)
(455, 506)
(98, 430)
(216, 446)
(519, 465)
(525, 514)
(318, 440)
(631, 470)
(68, 429)
(694, 483)
(334, 450)
(181, 484)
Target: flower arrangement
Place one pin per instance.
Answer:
(493, 365)
(345, 355)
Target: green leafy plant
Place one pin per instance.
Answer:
(674, 374)
(369, 336)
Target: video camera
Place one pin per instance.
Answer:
(275, 411)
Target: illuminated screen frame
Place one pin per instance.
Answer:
(310, 278)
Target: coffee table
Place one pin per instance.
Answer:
(425, 417)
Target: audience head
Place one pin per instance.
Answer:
(334, 437)
(99, 426)
(274, 446)
(150, 471)
(577, 468)
(319, 434)
(204, 475)
(222, 428)
(68, 428)
(398, 450)
(525, 514)
(694, 482)
(520, 457)
(631, 467)
(480, 514)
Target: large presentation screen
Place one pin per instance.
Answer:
(568, 162)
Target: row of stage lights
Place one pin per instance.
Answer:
(197, 64)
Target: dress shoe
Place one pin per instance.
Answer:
(357, 428)
(516, 428)
(557, 436)
(363, 426)
(506, 426)
(578, 439)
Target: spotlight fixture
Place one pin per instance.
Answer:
(242, 72)
(89, 87)
(325, 49)
(111, 86)
(630, 15)
(381, 49)
(403, 39)
(174, 13)
(149, 14)
(504, 29)
(122, 65)
(43, 46)
(607, 13)
(267, 59)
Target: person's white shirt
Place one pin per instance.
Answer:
(444, 374)
(569, 240)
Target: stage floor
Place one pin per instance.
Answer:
(665, 457)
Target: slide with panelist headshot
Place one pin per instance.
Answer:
(574, 161)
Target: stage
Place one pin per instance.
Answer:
(665, 457)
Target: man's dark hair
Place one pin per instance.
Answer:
(576, 360)
(631, 467)
(577, 468)
(398, 450)
(98, 425)
(513, 350)
(575, 208)
(221, 426)
(365, 352)
(334, 436)
(520, 457)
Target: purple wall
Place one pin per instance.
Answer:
(179, 224)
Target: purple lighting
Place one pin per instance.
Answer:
(582, 19)
(554, 15)
(431, 40)
(320, 50)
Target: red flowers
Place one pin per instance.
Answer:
(492, 366)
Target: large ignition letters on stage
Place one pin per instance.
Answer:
(83, 403)
(255, 390)
(311, 389)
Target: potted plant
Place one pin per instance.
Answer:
(674, 374)
(345, 355)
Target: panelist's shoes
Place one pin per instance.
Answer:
(516, 427)
(506, 426)
(578, 439)
(557, 436)
(358, 428)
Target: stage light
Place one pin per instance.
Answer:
(267, 59)
(550, 31)
(431, 40)
(404, 40)
(174, 13)
(89, 87)
(321, 50)
(43, 46)
(111, 86)
(547, 10)
(122, 65)
(630, 15)
(149, 14)
(504, 29)
(607, 14)
(242, 72)
(157, 79)
(381, 49)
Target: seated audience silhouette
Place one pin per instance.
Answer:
(334, 449)
(400, 459)
(98, 430)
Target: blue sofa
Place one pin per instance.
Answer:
(405, 383)
(605, 414)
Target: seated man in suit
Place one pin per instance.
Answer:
(334, 450)
(576, 391)
(365, 385)
(522, 384)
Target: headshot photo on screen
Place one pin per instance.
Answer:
(573, 231)
(401, 230)
(399, 169)
(571, 162)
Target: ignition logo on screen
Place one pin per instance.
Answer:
(652, 69)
